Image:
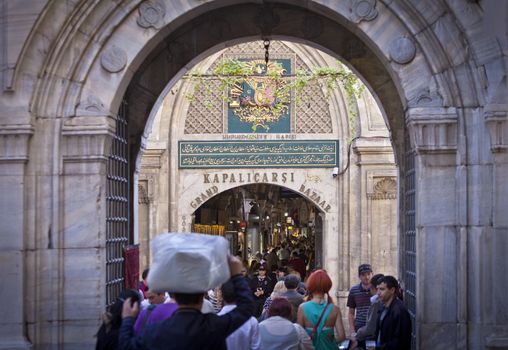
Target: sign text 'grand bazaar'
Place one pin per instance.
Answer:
(256, 154)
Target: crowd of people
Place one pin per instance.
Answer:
(277, 302)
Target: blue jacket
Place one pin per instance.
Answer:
(190, 329)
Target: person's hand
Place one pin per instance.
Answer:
(259, 292)
(129, 310)
(235, 265)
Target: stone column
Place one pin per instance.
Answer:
(143, 225)
(153, 203)
(377, 206)
(440, 254)
(14, 141)
(488, 243)
(86, 143)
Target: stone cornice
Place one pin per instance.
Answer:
(14, 142)
(373, 151)
(152, 159)
(497, 124)
(87, 139)
(372, 146)
(433, 130)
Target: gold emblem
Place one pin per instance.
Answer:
(263, 98)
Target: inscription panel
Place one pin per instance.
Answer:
(255, 154)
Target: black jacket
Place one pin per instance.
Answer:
(190, 329)
(266, 285)
(395, 328)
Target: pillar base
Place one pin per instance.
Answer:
(15, 344)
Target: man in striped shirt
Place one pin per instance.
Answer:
(358, 300)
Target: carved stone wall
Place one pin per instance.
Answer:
(377, 191)
(452, 57)
(14, 145)
(384, 188)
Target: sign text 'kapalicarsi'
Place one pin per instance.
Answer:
(264, 177)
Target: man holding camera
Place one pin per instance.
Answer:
(188, 328)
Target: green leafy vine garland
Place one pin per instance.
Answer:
(232, 72)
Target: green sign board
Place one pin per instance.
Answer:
(258, 154)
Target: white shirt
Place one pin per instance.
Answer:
(207, 307)
(245, 337)
(280, 326)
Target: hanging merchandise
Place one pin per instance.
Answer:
(304, 212)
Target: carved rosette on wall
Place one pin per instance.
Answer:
(151, 14)
(384, 188)
(363, 10)
(402, 50)
(114, 59)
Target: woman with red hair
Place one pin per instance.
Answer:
(319, 316)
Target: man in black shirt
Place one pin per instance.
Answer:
(261, 286)
(394, 322)
(188, 328)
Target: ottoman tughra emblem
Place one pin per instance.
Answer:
(253, 99)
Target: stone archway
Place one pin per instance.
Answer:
(200, 187)
(357, 232)
(271, 204)
(428, 81)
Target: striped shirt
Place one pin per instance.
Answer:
(359, 299)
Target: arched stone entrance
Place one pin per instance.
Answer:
(259, 216)
(437, 76)
(364, 227)
(201, 187)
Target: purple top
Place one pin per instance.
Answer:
(158, 313)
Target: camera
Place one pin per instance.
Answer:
(135, 299)
(335, 172)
